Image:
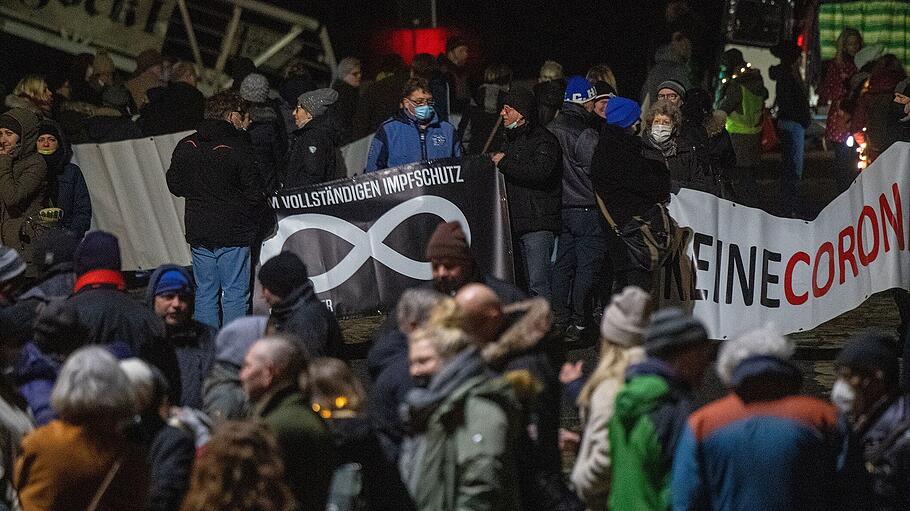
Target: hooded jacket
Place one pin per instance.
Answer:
(23, 186)
(466, 430)
(532, 167)
(193, 345)
(214, 169)
(311, 153)
(400, 141)
(302, 315)
(578, 140)
(481, 118)
(760, 447)
(650, 414)
(270, 141)
(68, 190)
(223, 396)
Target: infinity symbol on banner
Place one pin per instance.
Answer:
(368, 243)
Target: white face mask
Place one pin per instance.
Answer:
(843, 395)
(660, 133)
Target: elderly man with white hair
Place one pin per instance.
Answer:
(763, 446)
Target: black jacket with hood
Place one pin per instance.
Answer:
(193, 345)
(533, 170)
(302, 315)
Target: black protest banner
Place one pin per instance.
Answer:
(364, 238)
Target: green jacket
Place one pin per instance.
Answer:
(469, 443)
(305, 443)
(651, 411)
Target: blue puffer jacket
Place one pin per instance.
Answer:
(399, 141)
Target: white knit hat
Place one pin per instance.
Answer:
(626, 317)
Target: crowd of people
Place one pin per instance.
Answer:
(181, 399)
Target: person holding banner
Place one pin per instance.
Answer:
(414, 134)
(531, 161)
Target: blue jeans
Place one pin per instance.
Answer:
(221, 273)
(536, 251)
(579, 265)
(793, 153)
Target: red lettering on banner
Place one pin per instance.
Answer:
(893, 218)
(864, 258)
(793, 298)
(845, 254)
(826, 248)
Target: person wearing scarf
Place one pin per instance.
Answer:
(68, 190)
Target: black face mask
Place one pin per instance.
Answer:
(55, 161)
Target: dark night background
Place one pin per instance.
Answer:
(621, 33)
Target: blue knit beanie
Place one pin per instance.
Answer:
(173, 281)
(579, 90)
(622, 112)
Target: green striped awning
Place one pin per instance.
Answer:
(884, 22)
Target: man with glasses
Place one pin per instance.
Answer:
(672, 91)
(413, 134)
(215, 171)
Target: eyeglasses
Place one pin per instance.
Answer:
(422, 101)
(672, 96)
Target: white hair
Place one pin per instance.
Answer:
(91, 388)
(142, 380)
(761, 341)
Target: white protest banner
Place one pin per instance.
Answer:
(753, 268)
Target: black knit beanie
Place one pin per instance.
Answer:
(870, 352)
(283, 273)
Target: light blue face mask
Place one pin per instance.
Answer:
(423, 112)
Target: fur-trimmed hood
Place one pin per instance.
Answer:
(716, 122)
(533, 323)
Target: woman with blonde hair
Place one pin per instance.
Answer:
(32, 94)
(622, 332)
(602, 73)
(240, 470)
(338, 397)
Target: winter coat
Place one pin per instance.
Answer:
(379, 101)
(67, 188)
(15, 424)
(791, 96)
(112, 316)
(35, 375)
(466, 429)
(302, 315)
(223, 397)
(481, 118)
(356, 441)
(56, 282)
(591, 473)
(140, 85)
(400, 140)
(877, 459)
(627, 176)
(667, 66)
(193, 345)
(649, 416)
(171, 452)
(269, 141)
(388, 391)
(304, 442)
(834, 90)
(311, 154)
(706, 157)
(23, 187)
(578, 140)
(532, 167)
(526, 355)
(13, 101)
(103, 129)
(62, 465)
(752, 431)
(172, 109)
(872, 109)
(215, 170)
(345, 108)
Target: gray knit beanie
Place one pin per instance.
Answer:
(673, 329)
(317, 101)
(626, 317)
(255, 88)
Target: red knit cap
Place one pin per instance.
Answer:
(449, 241)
